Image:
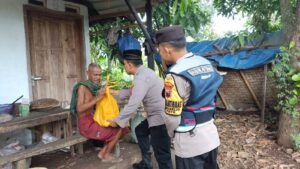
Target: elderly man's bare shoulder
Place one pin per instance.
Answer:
(84, 90)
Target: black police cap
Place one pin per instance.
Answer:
(132, 54)
(170, 33)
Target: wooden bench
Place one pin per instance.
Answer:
(38, 118)
(42, 118)
(57, 116)
(20, 157)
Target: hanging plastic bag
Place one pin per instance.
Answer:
(128, 42)
(107, 108)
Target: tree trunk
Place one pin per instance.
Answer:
(296, 38)
(288, 20)
(288, 126)
(296, 32)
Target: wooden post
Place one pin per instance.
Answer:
(117, 151)
(263, 105)
(21, 164)
(65, 127)
(140, 23)
(148, 9)
(250, 89)
(69, 131)
(145, 32)
(223, 99)
(80, 148)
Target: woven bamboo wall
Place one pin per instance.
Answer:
(236, 94)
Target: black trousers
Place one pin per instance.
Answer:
(204, 161)
(160, 142)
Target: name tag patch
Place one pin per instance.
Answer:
(200, 70)
(205, 76)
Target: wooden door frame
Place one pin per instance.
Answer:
(27, 9)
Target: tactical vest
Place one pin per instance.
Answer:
(204, 82)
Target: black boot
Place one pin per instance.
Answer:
(145, 163)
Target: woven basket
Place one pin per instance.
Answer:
(46, 103)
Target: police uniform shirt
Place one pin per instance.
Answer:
(146, 89)
(205, 137)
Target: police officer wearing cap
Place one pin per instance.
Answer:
(146, 89)
(190, 90)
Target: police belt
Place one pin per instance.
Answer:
(200, 118)
(204, 116)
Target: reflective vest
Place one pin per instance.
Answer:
(204, 82)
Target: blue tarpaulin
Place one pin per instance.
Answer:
(241, 59)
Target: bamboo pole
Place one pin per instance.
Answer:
(250, 89)
(221, 94)
(263, 105)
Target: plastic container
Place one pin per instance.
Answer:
(138, 118)
(24, 107)
(6, 108)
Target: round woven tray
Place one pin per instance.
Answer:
(46, 103)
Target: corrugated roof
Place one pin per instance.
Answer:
(105, 9)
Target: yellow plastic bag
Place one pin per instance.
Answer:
(107, 108)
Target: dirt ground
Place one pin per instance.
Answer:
(89, 160)
(245, 144)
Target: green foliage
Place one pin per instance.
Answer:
(287, 81)
(239, 40)
(98, 38)
(265, 14)
(118, 76)
(296, 140)
(171, 12)
(193, 15)
(106, 55)
(206, 33)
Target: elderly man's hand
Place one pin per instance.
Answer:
(112, 123)
(100, 94)
(114, 92)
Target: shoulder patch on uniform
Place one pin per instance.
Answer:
(169, 85)
(201, 70)
(173, 102)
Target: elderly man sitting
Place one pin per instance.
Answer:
(83, 102)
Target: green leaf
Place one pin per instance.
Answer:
(96, 40)
(296, 77)
(270, 74)
(241, 40)
(283, 49)
(295, 92)
(175, 4)
(182, 8)
(297, 51)
(297, 85)
(292, 71)
(292, 45)
(293, 101)
(185, 5)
